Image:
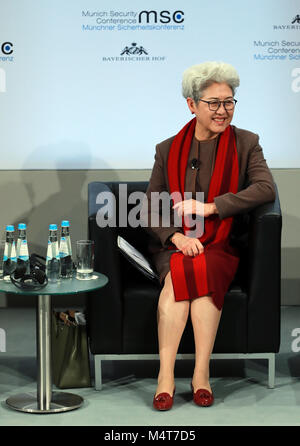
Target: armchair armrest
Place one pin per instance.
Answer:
(264, 269)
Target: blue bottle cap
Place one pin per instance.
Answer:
(65, 223)
(52, 227)
(10, 228)
(22, 226)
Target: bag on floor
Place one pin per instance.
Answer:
(70, 353)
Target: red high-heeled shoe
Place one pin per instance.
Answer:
(202, 397)
(163, 401)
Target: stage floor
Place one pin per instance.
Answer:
(242, 397)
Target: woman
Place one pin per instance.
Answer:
(227, 164)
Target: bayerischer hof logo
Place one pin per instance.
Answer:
(294, 23)
(133, 49)
(134, 52)
(296, 19)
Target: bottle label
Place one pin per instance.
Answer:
(13, 255)
(49, 251)
(63, 248)
(23, 253)
(6, 252)
(69, 246)
(52, 251)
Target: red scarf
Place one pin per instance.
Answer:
(209, 273)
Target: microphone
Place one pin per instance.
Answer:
(195, 164)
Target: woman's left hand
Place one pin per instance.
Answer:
(188, 207)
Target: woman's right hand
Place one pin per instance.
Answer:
(189, 246)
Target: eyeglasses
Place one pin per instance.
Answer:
(229, 104)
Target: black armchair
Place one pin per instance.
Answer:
(121, 317)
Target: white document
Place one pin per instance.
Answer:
(135, 255)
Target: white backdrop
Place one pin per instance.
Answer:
(70, 100)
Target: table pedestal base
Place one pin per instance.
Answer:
(60, 402)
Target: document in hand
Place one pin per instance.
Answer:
(136, 258)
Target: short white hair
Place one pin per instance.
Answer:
(199, 77)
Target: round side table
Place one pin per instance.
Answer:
(46, 401)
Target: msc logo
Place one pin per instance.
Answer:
(2, 81)
(162, 16)
(6, 48)
(296, 81)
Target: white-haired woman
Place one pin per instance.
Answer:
(227, 164)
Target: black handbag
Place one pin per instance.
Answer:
(70, 353)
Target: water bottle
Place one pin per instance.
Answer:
(65, 251)
(53, 259)
(22, 249)
(10, 258)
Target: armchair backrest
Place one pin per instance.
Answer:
(127, 201)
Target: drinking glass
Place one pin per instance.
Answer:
(85, 259)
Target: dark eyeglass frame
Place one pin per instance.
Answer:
(234, 101)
